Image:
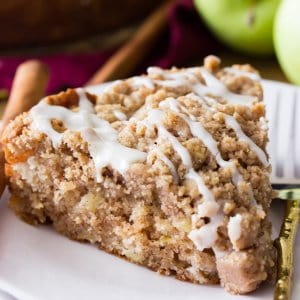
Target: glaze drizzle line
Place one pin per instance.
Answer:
(102, 139)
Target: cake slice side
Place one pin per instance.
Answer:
(168, 170)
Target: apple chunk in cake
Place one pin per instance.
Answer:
(168, 170)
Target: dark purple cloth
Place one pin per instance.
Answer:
(186, 38)
(65, 70)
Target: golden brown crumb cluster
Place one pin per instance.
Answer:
(145, 214)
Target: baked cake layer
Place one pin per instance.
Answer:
(168, 170)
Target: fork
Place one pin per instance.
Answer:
(283, 108)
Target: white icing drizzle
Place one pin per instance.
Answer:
(234, 229)
(139, 81)
(166, 161)
(171, 103)
(238, 72)
(205, 236)
(120, 115)
(84, 103)
(233, 123)
(102, 139)
(263, 123)
(209, 102)
(188, 78)
(217, 88)
(98, 89)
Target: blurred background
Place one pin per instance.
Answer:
(76, 37)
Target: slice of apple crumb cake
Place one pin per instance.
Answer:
(168, 170)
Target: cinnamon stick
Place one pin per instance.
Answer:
(125, 60)
(28, 88)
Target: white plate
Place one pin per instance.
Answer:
(38, 263)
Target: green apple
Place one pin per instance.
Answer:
(287, 38)
(244, 25)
